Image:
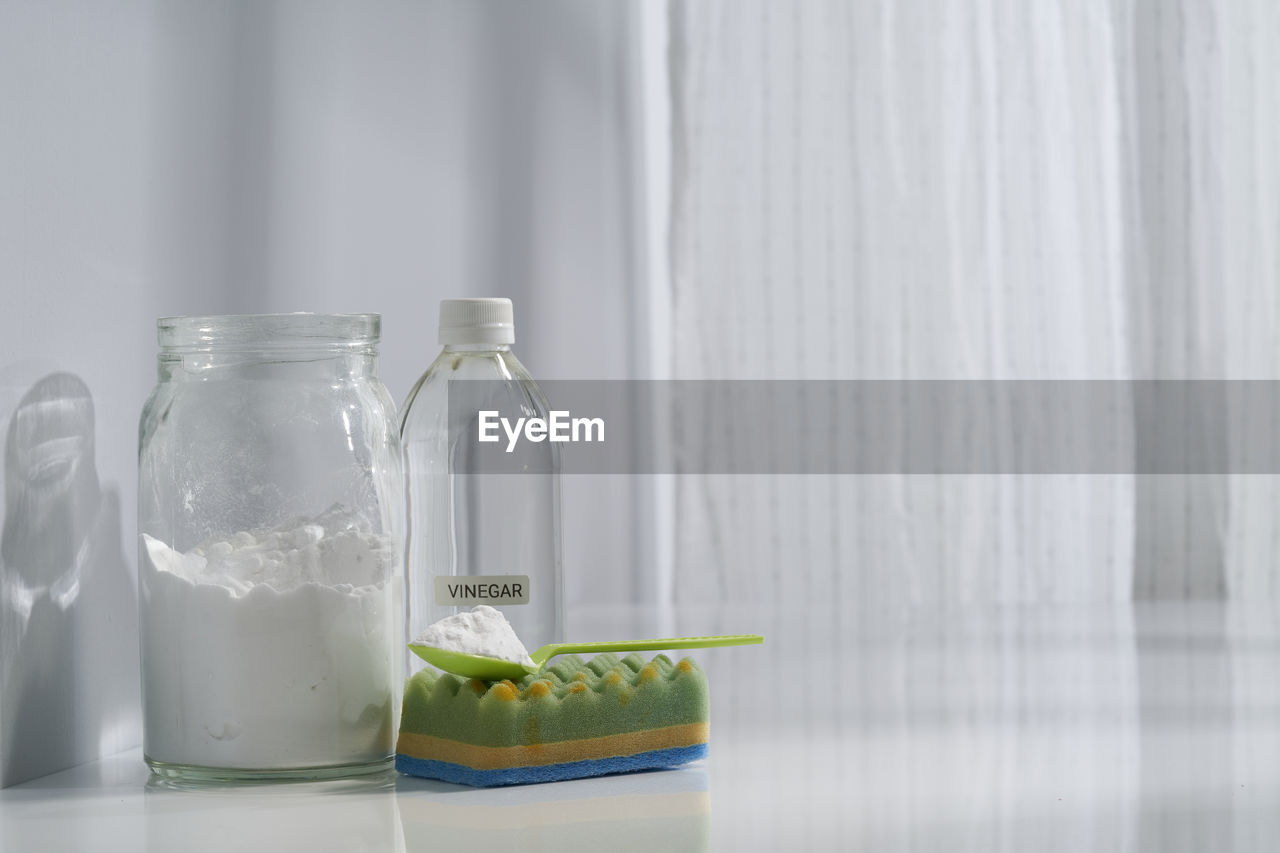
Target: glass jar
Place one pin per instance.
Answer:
(270, 513)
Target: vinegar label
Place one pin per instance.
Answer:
(482, 589)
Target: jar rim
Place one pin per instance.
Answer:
(269, 331)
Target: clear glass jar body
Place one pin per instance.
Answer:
(270, 519)
(479, 525)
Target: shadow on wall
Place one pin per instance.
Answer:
(68, 612)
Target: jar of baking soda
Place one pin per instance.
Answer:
(270, 506)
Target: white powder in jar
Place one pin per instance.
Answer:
(273, 650)
(479, 631)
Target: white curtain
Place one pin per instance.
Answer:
(917, 189)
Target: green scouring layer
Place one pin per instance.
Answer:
(571, 700)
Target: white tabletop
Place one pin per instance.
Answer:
(1154, 727)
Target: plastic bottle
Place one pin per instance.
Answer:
(498, 532)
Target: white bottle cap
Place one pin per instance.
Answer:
(476, 321)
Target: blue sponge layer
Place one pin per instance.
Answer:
(463, 775)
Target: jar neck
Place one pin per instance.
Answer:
(275, 345)
(293, 364)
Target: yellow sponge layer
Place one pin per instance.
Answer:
(531, 755)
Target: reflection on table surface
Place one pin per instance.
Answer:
(113, 805)
(1154, 727)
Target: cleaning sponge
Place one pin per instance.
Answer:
(575, 718)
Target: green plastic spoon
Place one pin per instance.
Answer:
(486, 668)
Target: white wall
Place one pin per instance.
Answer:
(78, 300)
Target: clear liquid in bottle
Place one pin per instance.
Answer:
(480, 538)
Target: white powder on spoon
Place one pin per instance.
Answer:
(479, 631)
